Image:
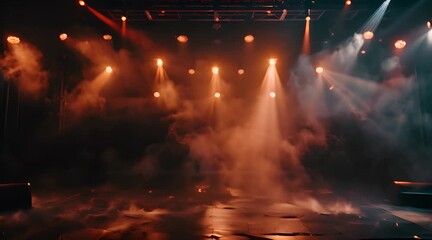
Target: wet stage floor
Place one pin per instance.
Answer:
(114, 215)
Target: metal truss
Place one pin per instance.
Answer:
(220, 15)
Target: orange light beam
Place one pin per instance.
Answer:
(104, 19)
(123, 29)
(306, 39)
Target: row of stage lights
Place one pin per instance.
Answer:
(368, 35)
(215, 71)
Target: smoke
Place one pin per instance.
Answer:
(22, 65)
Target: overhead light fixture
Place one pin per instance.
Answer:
(107, 37)
(368, 35)
(249, 38)
(215, 70)
(348, 2)
(182, 39)
(272, 61)
(81, 2)
(13, 40)
(159, 62)
(123, 18)
(400, 44)
(63, 36)
(319, 70)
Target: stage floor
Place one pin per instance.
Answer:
(104, 214)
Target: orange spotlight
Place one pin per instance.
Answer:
(399, 44)
(272, 94)
(191, 71)
(249, 38)
(123, 18)
(159, 62)
(182, 39)
(308, 18)
(107, 37)
(240, 71)
(363, 52)
(108, 69)
(429, 24)
(348, 2)
(217, 95)
(272, 61)
(156, 94)
(82, 3)
(63, 36)
(368, 35)
(215, 70)
(13, 40)
(319, 70)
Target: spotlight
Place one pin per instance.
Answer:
(13, 40)
(191, 71)
(63, 36)
(348, 2)
(107, 37)
(363, 52)
(215, 70)
(249, 38)
(82, 3)
(182, 39)
(272, 94)
(308, 18)
(108, 69)
(331, 87)
(217, 95)
(368, 35)
(156, 94)
(159, 62)
(272, 61)
(400, 44)
(319, 70)
(123, 18)
(429, 24)
(240, 71)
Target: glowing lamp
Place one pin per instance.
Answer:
(215, 70)
(123, 18)
(156, 94)
(319, 70)
(272, 94)
(217, 95)
(191, 71)
(63, 36)
(249, 38)
(368, 35)
(400, 44)
(13, 40)
(107, 37)
(363, 52)
(182, 39)
(348, 2)
(108, 69)
(272, 61)
(81, 2)
(308, 18)
(240, 71)
(429, 24)
(159, 62)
